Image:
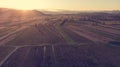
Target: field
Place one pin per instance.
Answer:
(63, 40)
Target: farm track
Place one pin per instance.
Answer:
(40, 36)
(63, 47)
(106, 26)
(7, 56)
(90, 35)
(100, 32)
(55, 45)
(7, 30)
(109, 30)
(68, 39)
(10, 36)
(77, 38)
(35, 39)
(52, 55)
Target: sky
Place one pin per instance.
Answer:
(61, 4)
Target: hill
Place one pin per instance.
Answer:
(12, 16)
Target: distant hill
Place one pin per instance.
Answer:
(12, 16)
(59, 12)
(15, 17)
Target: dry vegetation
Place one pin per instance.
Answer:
(34, 39)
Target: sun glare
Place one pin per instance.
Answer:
(23, 4)
(61, 4)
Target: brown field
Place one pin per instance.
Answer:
(35, 39)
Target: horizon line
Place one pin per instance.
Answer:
(60, 10)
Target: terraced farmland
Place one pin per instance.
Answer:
(60, 41)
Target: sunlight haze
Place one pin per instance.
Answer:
(62, 4)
